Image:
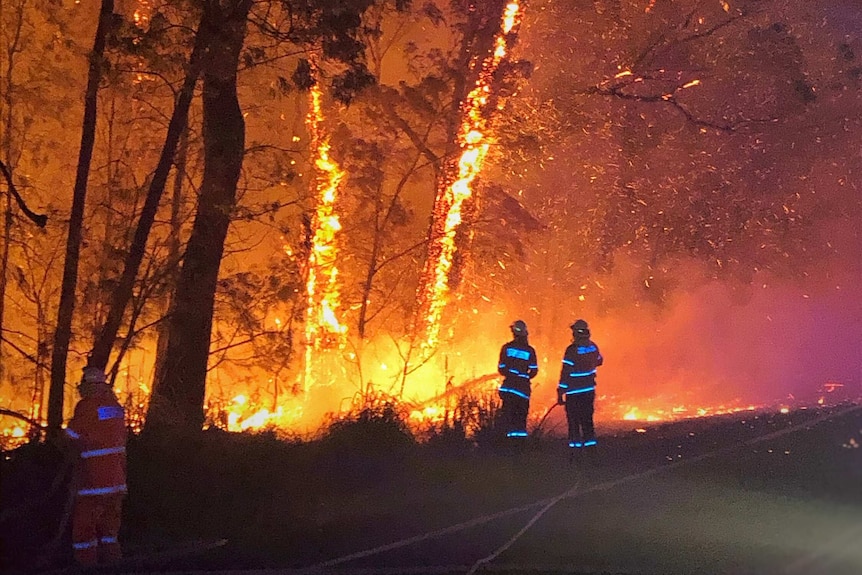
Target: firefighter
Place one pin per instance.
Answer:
(97, 434)
(577, 388)
(518, 365)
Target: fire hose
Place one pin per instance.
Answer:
(544, 417)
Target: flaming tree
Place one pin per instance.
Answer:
(455, 186)
(323, 329)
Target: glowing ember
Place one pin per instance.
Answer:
(323, 328)
(474, 141)
(142, 14)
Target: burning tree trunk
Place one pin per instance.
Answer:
(178, 395)
(486, 43)
(323, 326)
(63, 332)
(324, 330)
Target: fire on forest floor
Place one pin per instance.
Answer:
(243, 413)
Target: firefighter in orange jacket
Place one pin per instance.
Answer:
(98, 433)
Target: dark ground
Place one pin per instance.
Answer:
(699, 496)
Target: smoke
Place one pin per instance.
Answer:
(718, 343)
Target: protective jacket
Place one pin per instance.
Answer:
(580, 361)
(518, 365)
(99, 433)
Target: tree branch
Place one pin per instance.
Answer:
(39, 219)
(22, 417)
(617, 92)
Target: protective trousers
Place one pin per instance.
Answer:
(579, 414)
(515, 409)
(95, 526)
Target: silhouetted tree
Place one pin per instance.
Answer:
(63, 332)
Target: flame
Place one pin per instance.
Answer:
(431, 413)
(322, 327)
(141, 16)
(677, 412)
(635, 414)
(474, 140)
(241, 414)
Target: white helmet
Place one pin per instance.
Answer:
(94, 375)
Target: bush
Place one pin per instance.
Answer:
(470, 422)
(375, 422)
(34, 491)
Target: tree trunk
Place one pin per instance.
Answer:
(173, 253)
(178, 396)
(4, 274)
(6, 113)
(123, 292)
(477, 46)
(63, 331)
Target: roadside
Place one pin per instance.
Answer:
(282, 504)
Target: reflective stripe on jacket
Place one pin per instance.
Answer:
(518, 365)
(98, 431)
(578, 374)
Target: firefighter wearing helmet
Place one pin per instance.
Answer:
(97, 434)
(577, 388)
(518, 365)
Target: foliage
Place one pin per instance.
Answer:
(257, 308)
(375, 422)
(471, 421)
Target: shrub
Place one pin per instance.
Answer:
(375, 422)
(470, 421)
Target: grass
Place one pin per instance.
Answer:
(367, 481)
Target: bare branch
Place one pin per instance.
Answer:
(39, 219)
(22, 417)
